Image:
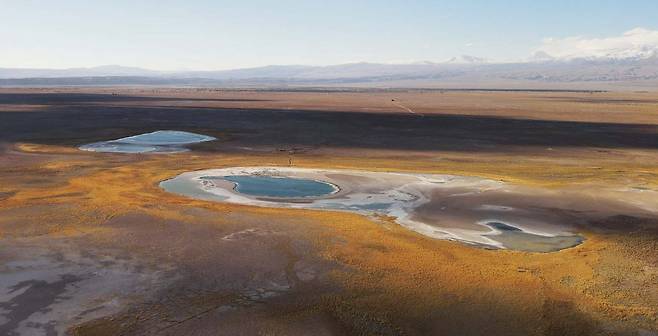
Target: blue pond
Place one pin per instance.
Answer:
(154, 142)
(284, 187)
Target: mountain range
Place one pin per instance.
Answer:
(637, 71)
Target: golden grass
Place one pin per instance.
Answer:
(391, 278)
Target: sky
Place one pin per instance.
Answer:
(216, 35)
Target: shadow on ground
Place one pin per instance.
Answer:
(73, 119)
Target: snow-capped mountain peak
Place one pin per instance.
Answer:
(467, 59)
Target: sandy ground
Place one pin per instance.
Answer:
(91, 245)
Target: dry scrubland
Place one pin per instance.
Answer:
(94, 231)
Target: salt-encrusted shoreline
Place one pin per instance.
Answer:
(399, 195)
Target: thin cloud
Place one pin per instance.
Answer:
(638, 42)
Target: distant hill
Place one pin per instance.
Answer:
(106, 70)
(638, 71)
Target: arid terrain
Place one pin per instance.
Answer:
(91, 245)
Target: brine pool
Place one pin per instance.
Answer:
(158, 142)
(278, 187)
(392, 194)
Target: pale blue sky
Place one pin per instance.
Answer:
(204, 34)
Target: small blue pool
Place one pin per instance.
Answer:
(154, 142)
(166, 138)
(279, 187)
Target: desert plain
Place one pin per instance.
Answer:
(90, 244)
